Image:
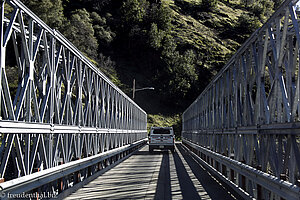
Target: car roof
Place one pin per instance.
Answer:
(161, 127)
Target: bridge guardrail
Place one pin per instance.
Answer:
(261, 179)
(83, 170)
(250, 111)
(57, 107)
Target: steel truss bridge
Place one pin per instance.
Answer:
(245, 125)
(63, 122)
(59, 114)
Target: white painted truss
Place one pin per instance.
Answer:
(57, 106)
(250, 111)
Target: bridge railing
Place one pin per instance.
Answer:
(250, 112)
(55, 105)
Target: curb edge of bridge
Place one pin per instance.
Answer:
(234, 190)
(73, 189)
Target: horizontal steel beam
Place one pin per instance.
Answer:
(28, 183)
(274, 129)
(44, 128)
(267, 181)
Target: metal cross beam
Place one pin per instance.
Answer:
(55, 105)
(250, 112)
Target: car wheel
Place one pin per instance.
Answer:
(173, 150)
(150, 149)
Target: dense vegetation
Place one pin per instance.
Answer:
(175, 46)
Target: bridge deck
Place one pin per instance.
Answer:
(160, 175)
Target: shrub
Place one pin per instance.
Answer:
(247, 24)
(208, 4)
(263, 9)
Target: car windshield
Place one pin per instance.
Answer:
(161, 131)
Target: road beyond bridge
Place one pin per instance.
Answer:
(158, 175)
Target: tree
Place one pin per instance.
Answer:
(277, 3)
(161, 15)
(103, 32)
(247, 24)
(184, 73)
(81, 33)
(262, 9)
(179, 73)
(134, 11)
(208, 4)
(246, 3)
(50, 11)
(155, 36)
(96, 4)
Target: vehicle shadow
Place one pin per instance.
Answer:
(163, 187)
(193, 181)
(154, 152)
(187, 187)
(213, 189)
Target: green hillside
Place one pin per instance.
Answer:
(175, 46)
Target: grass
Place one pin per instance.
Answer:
(159, 120)
(208, 32)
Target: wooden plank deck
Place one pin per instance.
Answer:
(157, 175)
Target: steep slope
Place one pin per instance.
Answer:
(212, 35)
(209, 32)
(175, 46)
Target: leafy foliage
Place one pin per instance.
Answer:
(247, 23)
(174, 46)
(50, 11)
(166, 121)
(208, 4)
(181, 73)
(103, 33)
(262, 9)
(80, 32)
(277, 3)
(155, 36)
(134, 11)
(161, 14)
